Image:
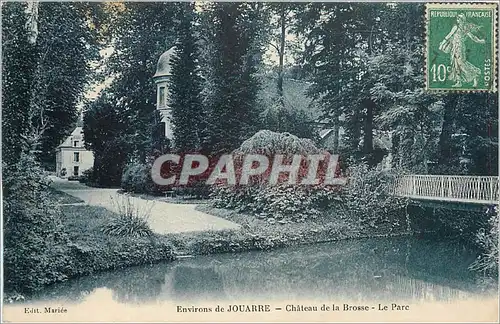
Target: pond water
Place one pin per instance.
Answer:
(384, 269)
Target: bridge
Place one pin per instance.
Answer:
(483, 190)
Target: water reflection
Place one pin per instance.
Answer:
(383, 269)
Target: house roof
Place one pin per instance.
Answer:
(76, 134)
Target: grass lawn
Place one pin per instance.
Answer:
(64, 198)
(96, 251)
(82, 247)
(85, 249)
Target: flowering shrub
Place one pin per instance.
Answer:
(367, 199)
(278, 202)
(271, 143)
(281, 201)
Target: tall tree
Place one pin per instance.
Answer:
(18, 65)
(281, 20)
(282, 115)
(185, 86)
(66, 43)
(31, 222)
(232, 84)
(106, 135)
(139, 33)
(476, 122)
(338, 36)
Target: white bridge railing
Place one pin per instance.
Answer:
(470, 189)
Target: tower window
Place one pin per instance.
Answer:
(162, 96)
(75, 143)
(76, 156)
(161, 130)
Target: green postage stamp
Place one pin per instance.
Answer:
(461, 46)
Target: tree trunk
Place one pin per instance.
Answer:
(281, 52)
(395, 151)
(368, 130)
(32, 20)
(445, 149)
(336, 134)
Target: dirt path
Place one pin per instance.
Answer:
(165, 218)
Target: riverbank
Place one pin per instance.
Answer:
(86, 249)
(262, 234)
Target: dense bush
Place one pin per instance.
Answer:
(33, 234)
(136, 178)
(85, 258)
(279, 202)
(87, 176)
(195, 190)
(270, 143)
(488, 241)
(368, 196)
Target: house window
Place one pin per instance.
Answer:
(76, 170)
(162, 96)
(75, 143)
(76, 157)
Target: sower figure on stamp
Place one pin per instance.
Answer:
(454, 44)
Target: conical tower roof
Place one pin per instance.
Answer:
(164, 66)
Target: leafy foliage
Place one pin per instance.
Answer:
(33, 234)
(132, 219)
(367, 75)
(231, 84)
(48, 75)
(185, 86)
(18, 57)
(120, 126)
(87, 176)
(270, 143)
(136, 178)
(104, 130)
(368, 197)
(38, 98)
(66, 43)
(488, 241)
(280, 201)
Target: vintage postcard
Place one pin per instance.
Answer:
(249, 162)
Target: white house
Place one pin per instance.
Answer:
(71, 156)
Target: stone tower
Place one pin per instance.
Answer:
(162, 78)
